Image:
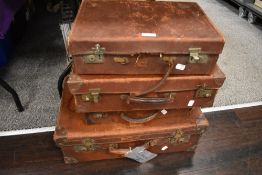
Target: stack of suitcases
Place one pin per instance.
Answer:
(141, 72)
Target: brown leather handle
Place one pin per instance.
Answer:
(119, 151)
(139, 120)
(151, 100)
(156, 100)
(146, 145)
(161, 82)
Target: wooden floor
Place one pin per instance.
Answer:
(231, 145)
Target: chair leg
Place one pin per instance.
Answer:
(7, 87)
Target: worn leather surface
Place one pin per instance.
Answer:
(118, 26)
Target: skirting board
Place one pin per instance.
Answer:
(52, 128)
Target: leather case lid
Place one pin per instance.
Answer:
(130, 27)
(116, 84)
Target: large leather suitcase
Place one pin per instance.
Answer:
(130, 37)
(97, 93)
(115, 138)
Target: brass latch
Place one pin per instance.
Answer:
(203, 92)
(92, 95)
(196, 56)
(179, 137)
(95, 56)
(88, 145)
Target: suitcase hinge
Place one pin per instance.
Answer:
(70, 160)
(203, 92)
(113, 146)
(92, 96)
(121, 60)
(192, 148)
(178, 137)
(95, 56)
(196, 56)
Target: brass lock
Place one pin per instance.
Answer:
(195, 56)
(95, 56)
(203, 92)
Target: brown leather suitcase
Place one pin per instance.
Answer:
(97, 93)
(113, 137)
(130, 37)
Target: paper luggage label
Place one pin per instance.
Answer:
(180, 67)
(191, 103)
(148, 34)
(140, 154)
(164, 112)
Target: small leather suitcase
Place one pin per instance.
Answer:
(97, 93)
(175, 131)
(130, 37)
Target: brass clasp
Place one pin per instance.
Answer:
(95, 56)
(203, 92)
(196, 56)
(92, 95)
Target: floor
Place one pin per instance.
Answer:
(231, 145)
(39, 59)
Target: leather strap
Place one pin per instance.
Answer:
(139, 120)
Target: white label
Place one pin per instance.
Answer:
(148, 34)
(139, 154)
(180, 66)
(164, 148)
(164, 112)
(191, 103)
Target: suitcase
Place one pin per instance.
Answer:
(115, 138)
(130, 37)
(97, 93)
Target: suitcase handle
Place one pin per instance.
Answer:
(119, 151)
(161, 82)
(154, 100)
(139, 120)
(124, 151)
